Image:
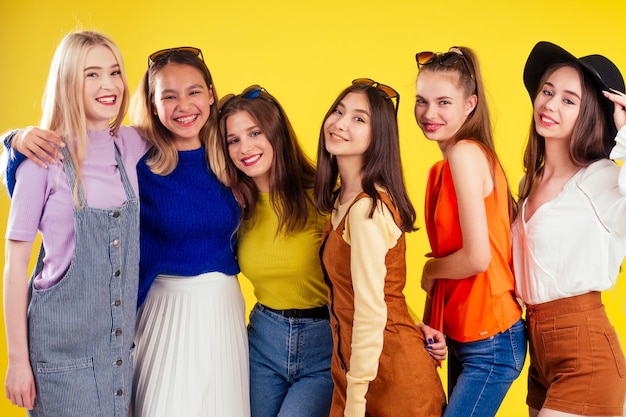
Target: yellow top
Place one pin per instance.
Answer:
(285, 270)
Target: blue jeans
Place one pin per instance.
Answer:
(289, 365)
(480, 373)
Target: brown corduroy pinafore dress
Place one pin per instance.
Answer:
(407, 383)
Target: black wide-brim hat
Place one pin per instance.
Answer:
(603, 72)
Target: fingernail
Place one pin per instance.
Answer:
(431, 341)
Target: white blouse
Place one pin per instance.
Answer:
(575, 243)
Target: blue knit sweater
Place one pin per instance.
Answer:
(188, 219)
(13, 162)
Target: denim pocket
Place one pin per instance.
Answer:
(518, 344)
(561, 349)
(67, 388)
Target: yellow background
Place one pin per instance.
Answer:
(304, 53)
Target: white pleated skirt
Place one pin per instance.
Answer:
(191, 354)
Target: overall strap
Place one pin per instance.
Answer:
(384, 198)
(130, 192)
(70, 172)
(342, 223)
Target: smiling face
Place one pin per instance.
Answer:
(182, 101)
(348, 128)
(249, 148)
(557, 105)
(441, 106)
(103, 87)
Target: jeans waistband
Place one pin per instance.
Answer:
(307, 313)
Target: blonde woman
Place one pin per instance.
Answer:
(70, 331)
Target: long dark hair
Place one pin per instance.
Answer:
(382, 164)
(291, 172)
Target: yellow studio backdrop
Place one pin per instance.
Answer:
(304, 53)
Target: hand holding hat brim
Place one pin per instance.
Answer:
(619, 113)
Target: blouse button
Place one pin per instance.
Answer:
(116, 242)
(118, 332)
(116, 214)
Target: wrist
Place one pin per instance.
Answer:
(19, 356)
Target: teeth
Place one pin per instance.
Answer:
(106, 100)
(546, 120)
(251, 159)
(187, 119)
(338, 137)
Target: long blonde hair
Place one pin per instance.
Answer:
(62, 104)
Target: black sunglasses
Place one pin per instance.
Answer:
(250, 93)
(447, 59)
(388, 92)
(167, 52)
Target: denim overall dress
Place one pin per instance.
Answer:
(81, 330)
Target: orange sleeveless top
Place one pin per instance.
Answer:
(479, 306)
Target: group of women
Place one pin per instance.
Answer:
(224, 186)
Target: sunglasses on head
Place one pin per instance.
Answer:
(163, 53)
(388, 92)
(447, 59)
(249, 93)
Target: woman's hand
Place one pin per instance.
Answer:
(20, 384)
(38, 145)
(435, 342)
(619, 114)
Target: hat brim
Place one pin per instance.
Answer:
(601, 70)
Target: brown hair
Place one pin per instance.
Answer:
(164, 155)
(291, 172)
(586, 145)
